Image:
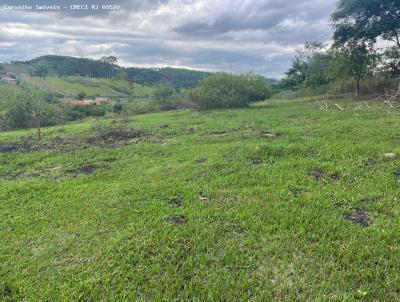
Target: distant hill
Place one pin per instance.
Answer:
(71, 66)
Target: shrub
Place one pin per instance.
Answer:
(223, 90)
(163, 92)
(97, 111)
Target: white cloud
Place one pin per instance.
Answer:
(242, 35)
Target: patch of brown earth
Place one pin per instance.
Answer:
(7, 148)
(85, 170)
(318, 175)
(360, 217)
(113, 137)
(270, 135)
(40, 172)
(177, 201)
(256, 161)
(336, 176)
(178, 219)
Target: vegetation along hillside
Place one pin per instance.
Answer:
(106, 68)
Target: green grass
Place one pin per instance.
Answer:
(254, 225)
(91, 86)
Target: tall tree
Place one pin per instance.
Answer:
(367, 20)
(36, 106)
(110, 60)
(354, 61)
(41, 71)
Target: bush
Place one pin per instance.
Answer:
(97, 111)
(223, 90)
(163, 92)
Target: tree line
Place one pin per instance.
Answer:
(360, 27)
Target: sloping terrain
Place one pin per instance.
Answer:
(72, 85)
(282, 201)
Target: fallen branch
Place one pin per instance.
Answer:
(340, 107)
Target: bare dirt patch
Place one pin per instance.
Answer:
(164, 126)
(7, 148)
(179, 219)
(256, 161)
(85, 170)
(321, 174)
(360, 217)
(211, 133)
(336, 176)
(177, 201)
(318, 175)
(270, 135)
(113, 137)
(41, 172)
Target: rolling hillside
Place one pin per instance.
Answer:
(71, 66)
(72, 85)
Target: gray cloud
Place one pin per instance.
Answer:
(245, 35)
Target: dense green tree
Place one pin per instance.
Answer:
(224, 90)
(353, 61)
(163, 92)
(366, 20)
(309, 67)
(391, 62)
(41, 71)
(109, 60)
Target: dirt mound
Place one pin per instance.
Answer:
(360, 217)
(113, 136)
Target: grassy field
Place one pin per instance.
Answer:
(91, 86)
(282, 201)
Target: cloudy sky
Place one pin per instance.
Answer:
(232, 35)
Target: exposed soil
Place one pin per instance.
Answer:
(270, 135)
(336, 176)
(7, 148)
(164, 126)
(85, 170)
(113, 137)
(360, 217)
(40, 172)
(318, 175)
(60, 143)
(178, 219)
(209, 133)
(256, 161)
(177, 201)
